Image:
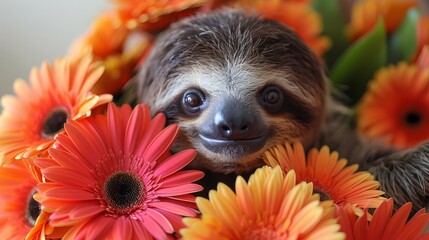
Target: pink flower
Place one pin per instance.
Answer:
(116, 179)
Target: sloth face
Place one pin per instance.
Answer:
(236, 85)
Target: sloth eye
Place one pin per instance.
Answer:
(193, 100)
(271, 98)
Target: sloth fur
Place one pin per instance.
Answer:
(237, 84)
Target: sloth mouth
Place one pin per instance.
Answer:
(233, 147)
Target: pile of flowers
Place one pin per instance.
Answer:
(80, 160)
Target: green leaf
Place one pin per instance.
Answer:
(333, 27)
(403, 43)
(357, 65)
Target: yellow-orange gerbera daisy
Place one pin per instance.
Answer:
(395, 108)
(365, 15)
(115, 47)
(269, 206)
(19, 212)
(155, 15)
(331, 177)
(116, 179)
(56, 92)
(384, 225)
(298, 16)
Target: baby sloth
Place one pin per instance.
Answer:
(237, 84)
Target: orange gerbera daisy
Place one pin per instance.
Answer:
(18, 209)
(270, 206)
(395, 108)
(115, 47)
(105, 37)
(57, 92)
(384, 225)
(365, 15)
(19, 212)
(330, 176)
(155, 15)
(213, 4)
(299, 16)
(116, 179)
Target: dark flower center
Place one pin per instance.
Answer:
(123, 190)
(33, 210)
(323, 195)
(54, 122)
(413, 118)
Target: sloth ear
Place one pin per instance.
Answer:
(404, 176)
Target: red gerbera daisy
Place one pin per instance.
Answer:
(384, 225)
(116, 178)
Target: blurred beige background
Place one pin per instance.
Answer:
(32, 31)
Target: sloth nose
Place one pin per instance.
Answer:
(234, 128)
(236, 121)
(235, 124)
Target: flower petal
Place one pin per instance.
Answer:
(175, 162)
